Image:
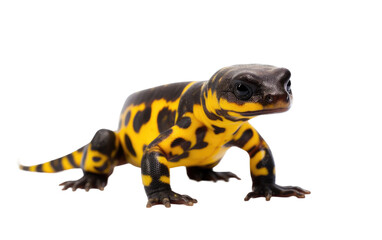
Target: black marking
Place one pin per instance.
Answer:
(225, 114)
(184, 122)
(176, 158)
(190, 98)
(160, 138)
(80, 150)
(102, 168)
(185, 145)
(103, 141)
(39, 168)
(71, 160)
(253, 150)
(245, 137)
(144, 147)
(166, 119)
(200, 134)
(266, 162)
(209, 114)
(96, 159)
(218, 130)
(57, 165)
(129, 145)
(141, 118)
(170, 92)
(236, 131)
(269, 164)
(127, 118)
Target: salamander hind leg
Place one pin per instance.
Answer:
(98, 161)
(207, 174)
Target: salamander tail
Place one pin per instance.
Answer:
(72, 160)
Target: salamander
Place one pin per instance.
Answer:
(190, 124)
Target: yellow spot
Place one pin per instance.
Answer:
(146, 179)
(235, 114)
(46, 167)
(165, 179)
(162, 160)
(258, 157)
(212, 102)
(77, 156)
(261, 172)
(254, 141)
(66, 164)
(246, 107)
(254, 161)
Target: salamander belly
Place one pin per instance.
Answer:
(198, 158)
(195, 145)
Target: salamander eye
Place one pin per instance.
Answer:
(242, 91)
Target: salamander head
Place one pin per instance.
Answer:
(241, 92)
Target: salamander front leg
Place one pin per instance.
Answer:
(263, 178)
(156, 179)
(262, 166)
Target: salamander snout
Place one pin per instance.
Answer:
(277, 91)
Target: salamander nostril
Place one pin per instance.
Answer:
(268, 98)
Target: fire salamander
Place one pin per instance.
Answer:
(189, 124)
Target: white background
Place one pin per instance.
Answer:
(66, 68)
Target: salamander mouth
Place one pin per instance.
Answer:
(261, 112)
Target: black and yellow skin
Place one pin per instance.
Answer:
(189, 124)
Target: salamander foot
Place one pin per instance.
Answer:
(274, 190)
(88, 181)
(168, 197)
(207, 174)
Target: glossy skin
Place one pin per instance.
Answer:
(189, 124)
